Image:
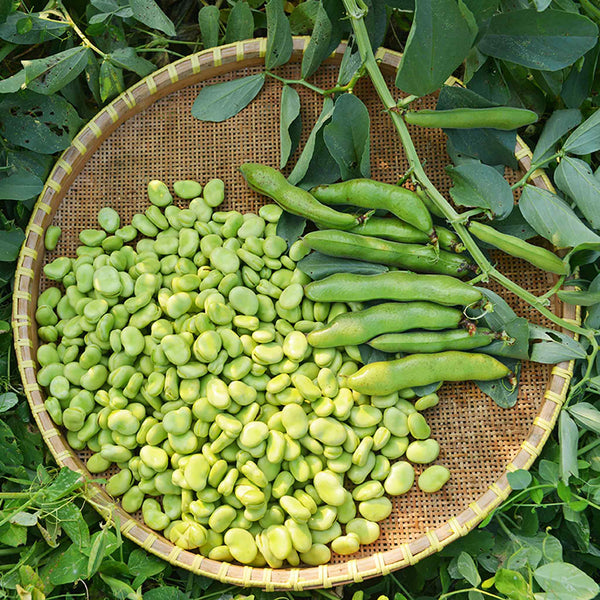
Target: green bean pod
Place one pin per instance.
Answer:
(535, 255)
(426, 342)
(349, 329)
(270, 182)
(399, 201)
(380, 378)
(399, 231)
(505, 118)
(392, 285)
(423, 259)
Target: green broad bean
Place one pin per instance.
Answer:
(400, 478)
(119, 483)
(214, 193)
(433, 478)
(51, 237)
(319, 554)
(346, 544)
(423, 451)
(427, 401)
(418, 427)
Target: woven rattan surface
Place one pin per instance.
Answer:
(148, 132)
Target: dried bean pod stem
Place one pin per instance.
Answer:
(423, 259)
(399, 201)
(393, 285)
(380, 378)
(349, 329)
(426, 342)
(538, 257)
(270, 182)
(505, 118)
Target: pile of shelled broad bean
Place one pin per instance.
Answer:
(230, 396)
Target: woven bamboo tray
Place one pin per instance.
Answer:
(148, 132)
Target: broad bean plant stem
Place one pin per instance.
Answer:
(356, 10)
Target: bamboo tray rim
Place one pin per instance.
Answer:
(177, 75)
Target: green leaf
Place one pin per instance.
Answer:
(73, 524)
(144, 565)
(318, 266)
(7, 401)
(14, 83)
(303, 163)
(439, 40)
(481, 186)
(111, 80)
(39, 29)
(290, 227)
(568, 438)
(49, 75)
(208, 19)
(279, 36)
(578, 84)
(65, 483)
(67, 567)
(563, 581)
(519, 480)
(501, 391)
(13, 535)
(548, 41)
(290, 123)
(120, 590)
(518, 330)
(576, 179)
(512, 584)
(44, 124)
(586, 138)
(322, 168)
(97, 552)
(127, 58)
(559, 123)
(347, 137)
(468, 569)
(240, 24)
(149, 13)
(491, 146)
(587, 415)
(165, 593)
(221, 101)
(550, 347)
(303, 17)
(482, 9)
(20, 186)
(554, 219)
(10, 244)
(320, 44)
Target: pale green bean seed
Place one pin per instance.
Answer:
(396, 421)
(158, 193)
(328, 431)
(400, 478)
(109, 219)
(224, 260)
(214, 194)
(428, 401)
(52, 236)
(270, 212)
(294, 420)
(367, 531)
(376, 509)
(253, 434)
(423, 451)
(187, 189)
(319, 554)
(418, 427)
(433, 478)
(346, 544)
(295, 509)
(243, 300)
(119, 483)
(329, 488)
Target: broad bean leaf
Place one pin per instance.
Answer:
(39, 30)
(73, 524)
(65, 567)
(554, 219)
(376, 22)
(512, 584)
(586, 138)
(501, 391)
(303, 163)
(14, 83)
(550, 347)
(20, 186)
(468, 569)
(208, 20)
(564, 581)
(240, 24)
(111, 80)
(576, 179)
(322, 167)
(127, 58)
(149, 13)
(481, 186)
(303, 17)
(10, 244)
(568, 439)
(501, 312)
(491, 146)
(482, 9)
(515, 225)
(519, 480)
(592, 318)
(66, 482)
(559, 124)
(370, 355)
(165, 593)
(44, 124)
(290, 227)
(8, 400)
(290, 123)
(221, 101)
(439, 40)
(347, 137)
(321, 44)
(49, 75)
(6, 7)
(518, 330)
(144, 565)
(489, 82)
(587, 415)
(279, 36)
(580, 298)
(318, 266)
(578, 84)
(351, 62)
(548, 41)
